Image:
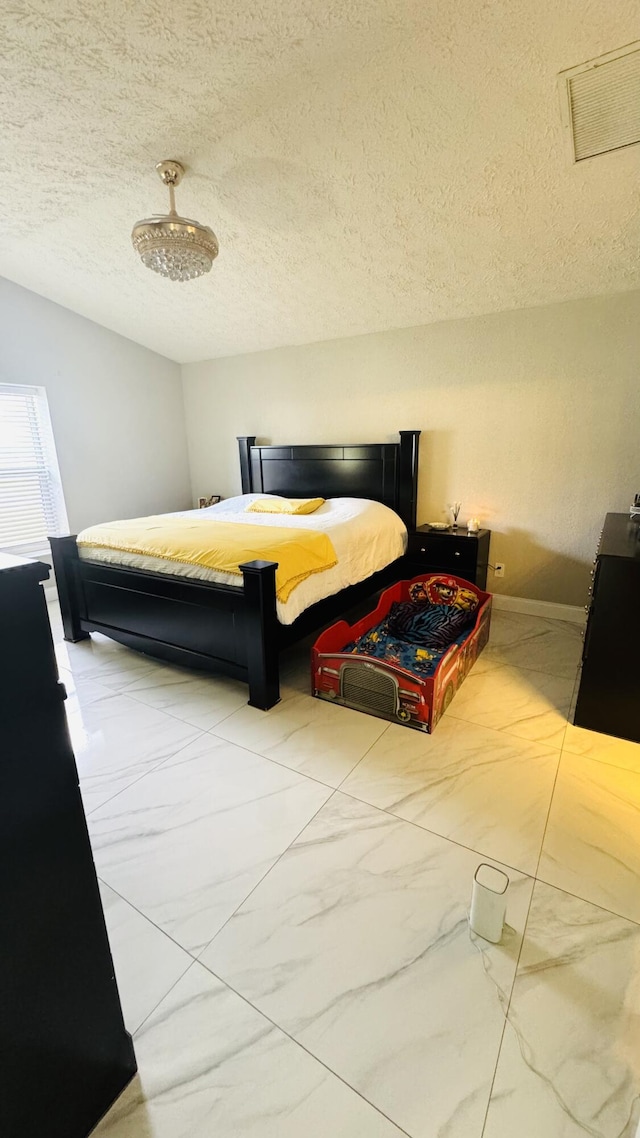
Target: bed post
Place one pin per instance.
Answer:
(245, 442)
(261, 633)
(408, 477)
(64, 552)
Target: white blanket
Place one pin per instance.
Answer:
(366, 536)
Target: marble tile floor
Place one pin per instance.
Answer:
(286, 895)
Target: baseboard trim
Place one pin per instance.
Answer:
(530, 607)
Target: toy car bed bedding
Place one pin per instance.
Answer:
(365, 535)
(416, 634)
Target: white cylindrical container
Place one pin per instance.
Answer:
(488, 902)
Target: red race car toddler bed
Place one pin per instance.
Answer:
(405, 660)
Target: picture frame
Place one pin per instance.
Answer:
(211, 500)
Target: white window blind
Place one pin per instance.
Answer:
(31, 500)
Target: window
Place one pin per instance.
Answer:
(31, 501)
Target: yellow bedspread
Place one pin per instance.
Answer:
(221, 546)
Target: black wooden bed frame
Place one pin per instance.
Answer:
(221, 628)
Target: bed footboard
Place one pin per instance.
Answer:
(64, 551)
(197, 624)
(261, 623)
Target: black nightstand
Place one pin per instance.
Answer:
(450, 551)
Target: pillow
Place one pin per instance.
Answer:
(430, 626)
(284, 505)
(441, 590)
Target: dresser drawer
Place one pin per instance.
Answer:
(445, 551)
(431, 547)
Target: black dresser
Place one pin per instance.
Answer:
(64, 1052)
(449, 551)
(609, 692)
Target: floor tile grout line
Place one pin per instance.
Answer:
(546, 822)
(519, 668)
(295, 770)
(433, 833)
(245, 703)
(265, 875)
(279, 1027)
(276, 762)
(509, 737)
(298, 1043)
(389, 813)
(302, 773)
(198, 959)
(587, 901)
(524, 934)
(395, 818)
(155, 767)
(505, 730)
(168, 992)
(571, 755)
(123, 693)
(361, 760)
(146, 918)
(334, 790)
(501, 731)
(202, 675)
(180, 719)
(560, 750)
(542, 881)
(95, 676)
(490, 1096)
(502, 1034)
(507, 1010)
(581, 757)
(537, 881)
(189, 673)
(212, 730)
(131, 695)
(221, 738)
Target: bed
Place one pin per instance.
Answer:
(405, 660)
(234, 628)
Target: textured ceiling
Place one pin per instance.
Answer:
(365, 165)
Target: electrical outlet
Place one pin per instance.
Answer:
(499, 569)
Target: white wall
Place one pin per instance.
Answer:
(116, 409)
(530, 418)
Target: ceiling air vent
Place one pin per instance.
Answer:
(602, 102)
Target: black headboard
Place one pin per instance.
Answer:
(384, 472)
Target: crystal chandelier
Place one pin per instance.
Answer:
(171, 245)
